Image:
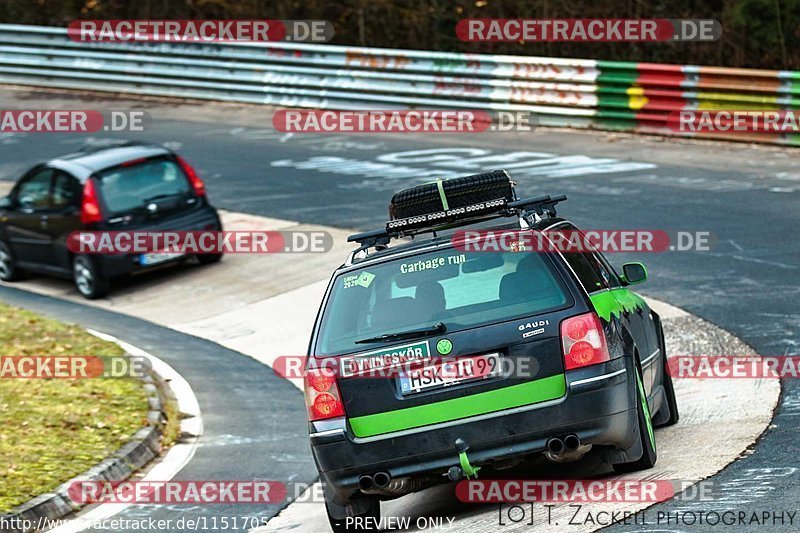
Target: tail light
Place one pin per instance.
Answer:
(90, 207)
(583, 341)
(322, 394)
(197, 184)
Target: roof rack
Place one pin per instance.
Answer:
(541, 205)
(529, 209)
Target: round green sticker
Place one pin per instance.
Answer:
(444, 346)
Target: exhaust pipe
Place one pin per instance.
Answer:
(365, 483)
(572, 442)
(381, 480)
(568, 450)
(555, 446)
(397, 486)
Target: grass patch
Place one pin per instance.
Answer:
(171, 430)
(54, 429)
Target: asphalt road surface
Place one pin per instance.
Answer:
(747, 198)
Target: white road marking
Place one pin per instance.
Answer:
(420, 165)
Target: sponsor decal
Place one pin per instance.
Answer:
(432, 264)
(531, 329)
(532, 333)
(358, 280)
(532, 325)
(388, 358)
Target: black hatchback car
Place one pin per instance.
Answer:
(130, 187)
(502, 355)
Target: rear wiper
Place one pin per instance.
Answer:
(162, 196)
(411, 334)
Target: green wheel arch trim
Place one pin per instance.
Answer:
(646, 409)
(615, 301)
(540, 390)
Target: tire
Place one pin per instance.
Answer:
(671, 403)
(460, 192)
(208, 259)
(88, 279)
(8, 270)
(371, 510)
(645, 430)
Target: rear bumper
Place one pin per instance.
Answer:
(205, 218)
(113, 266)
(597, 408)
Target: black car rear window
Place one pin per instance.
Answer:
(460, 289)
(129, 187)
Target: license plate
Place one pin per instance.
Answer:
(153, 259)
(450, 372)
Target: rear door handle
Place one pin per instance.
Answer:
(43, 221)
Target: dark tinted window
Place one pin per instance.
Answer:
(66, 191)
(127, 188)
(586, 271)
(589, 269)
(606, 270)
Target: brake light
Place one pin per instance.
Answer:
(322, 394)
(583, 341)
(90, 207)
(197, 184)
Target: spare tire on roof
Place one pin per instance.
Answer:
(452, 193)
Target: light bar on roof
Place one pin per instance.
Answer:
(451, 215)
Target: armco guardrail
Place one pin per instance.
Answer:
(563, 92)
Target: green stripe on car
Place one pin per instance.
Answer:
(531, 392)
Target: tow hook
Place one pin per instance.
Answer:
(467, 469)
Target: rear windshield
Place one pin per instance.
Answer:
(127, 188)
(459, 289)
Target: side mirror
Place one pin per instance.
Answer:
(634, 273)
(6, 202)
